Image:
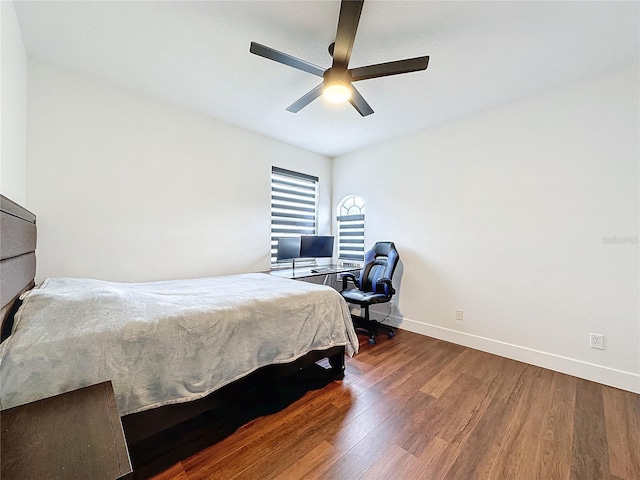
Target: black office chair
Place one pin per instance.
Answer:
(372, 286)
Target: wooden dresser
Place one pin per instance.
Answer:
(76, 434)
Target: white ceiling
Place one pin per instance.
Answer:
(196, 55)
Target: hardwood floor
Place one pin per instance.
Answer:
(418, 408)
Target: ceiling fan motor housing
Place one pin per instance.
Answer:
(336, 75)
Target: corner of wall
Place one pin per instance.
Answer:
(13, 130)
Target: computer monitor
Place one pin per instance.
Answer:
(316, 246)
(288, 248)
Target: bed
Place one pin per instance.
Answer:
(169, 348)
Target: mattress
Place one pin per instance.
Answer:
(164, 342)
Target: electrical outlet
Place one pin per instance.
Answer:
(596, 341)
(459, 315)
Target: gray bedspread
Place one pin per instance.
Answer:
(164, 342)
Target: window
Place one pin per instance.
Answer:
(294, 201)
(351, 229)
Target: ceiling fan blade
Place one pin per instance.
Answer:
(359, 103)
(305, 100)
(389, 68)
(347, 25)
(286, 59)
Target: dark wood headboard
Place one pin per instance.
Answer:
(17, 258)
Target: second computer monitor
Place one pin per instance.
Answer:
(288, 248)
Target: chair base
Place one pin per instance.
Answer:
(371, 327)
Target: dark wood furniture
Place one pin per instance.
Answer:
(17, 258)
(77, 434)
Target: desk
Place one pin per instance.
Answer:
(308, 272)
(77, 434)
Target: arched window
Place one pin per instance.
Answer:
(351, 229)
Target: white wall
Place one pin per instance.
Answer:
(127, 188)
(525, 217)
(13, 105)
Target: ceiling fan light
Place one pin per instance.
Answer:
(336, 93)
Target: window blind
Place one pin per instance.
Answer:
(351, 237)
(350, 220)
(294, 203)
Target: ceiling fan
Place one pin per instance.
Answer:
(337, 84)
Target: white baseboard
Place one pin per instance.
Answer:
(589, 371)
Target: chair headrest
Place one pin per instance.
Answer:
(383, 248)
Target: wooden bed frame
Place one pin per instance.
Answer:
(17, 259)
(17, 272)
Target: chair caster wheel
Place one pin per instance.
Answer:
(372, 341)
(392, 334)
